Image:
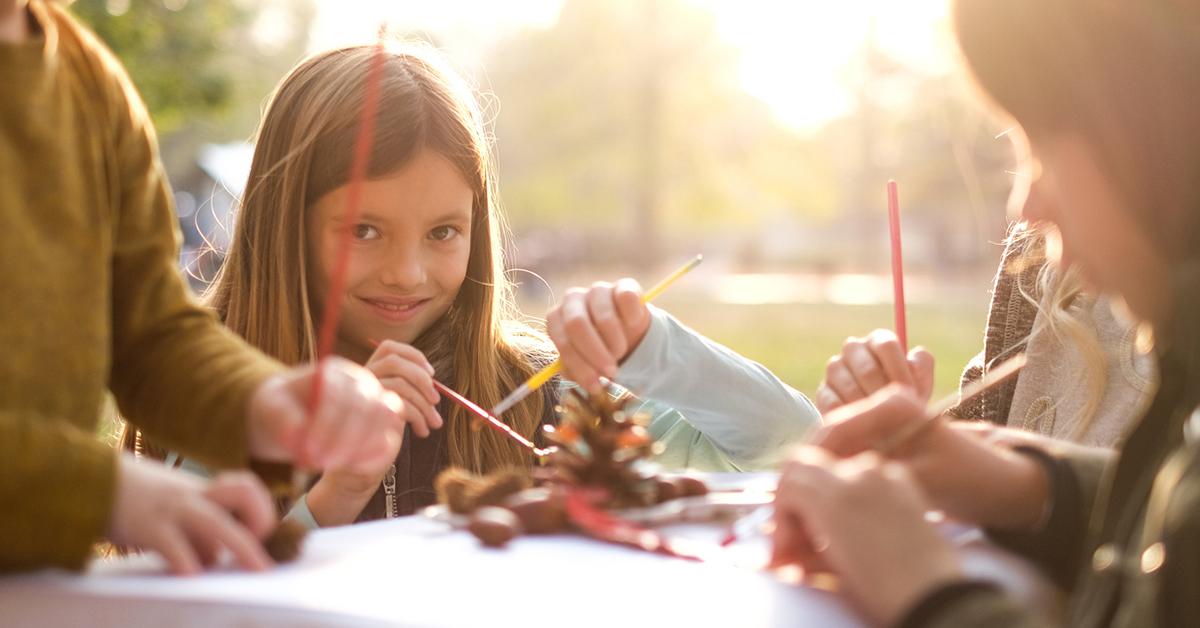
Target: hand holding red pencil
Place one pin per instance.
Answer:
(870, 363)
(353, 421)
(882, 357)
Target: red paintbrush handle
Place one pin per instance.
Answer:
(897, 264)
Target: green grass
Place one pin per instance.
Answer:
(796, 340)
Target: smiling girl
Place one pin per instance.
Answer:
(427, 293)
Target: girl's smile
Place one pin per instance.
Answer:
(395, 309)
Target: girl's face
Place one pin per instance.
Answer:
(408, 255)
(1065, 186)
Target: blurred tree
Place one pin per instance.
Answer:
(171, 49)
(928, 134)
(202, 66)
(627, 118)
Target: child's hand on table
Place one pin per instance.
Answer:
(190, 520)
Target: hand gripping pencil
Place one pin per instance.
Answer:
(541, 377)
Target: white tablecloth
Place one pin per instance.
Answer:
(417, 572)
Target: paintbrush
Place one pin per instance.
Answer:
(492, 421)
(544, 375)
(495, 423)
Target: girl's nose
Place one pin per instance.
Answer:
(403, 269)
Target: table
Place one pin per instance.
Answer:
(417, 572)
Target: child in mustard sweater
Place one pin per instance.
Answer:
(93, 300)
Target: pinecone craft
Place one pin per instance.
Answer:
(595, 468)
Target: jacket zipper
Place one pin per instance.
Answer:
(389, 493)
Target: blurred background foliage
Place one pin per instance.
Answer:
(627, 141)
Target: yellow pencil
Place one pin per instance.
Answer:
(541, 377)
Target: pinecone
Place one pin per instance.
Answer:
(599, 444)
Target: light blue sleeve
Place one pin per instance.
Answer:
(684, 446)
(738, 405)
(301, 514)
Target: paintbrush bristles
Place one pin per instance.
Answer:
(937, 410)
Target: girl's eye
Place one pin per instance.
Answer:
(443, 233)
(365, 232)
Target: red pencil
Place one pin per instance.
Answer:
(897, 264)
(337, 282)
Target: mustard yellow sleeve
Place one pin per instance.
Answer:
(55, 505)
(176, 373)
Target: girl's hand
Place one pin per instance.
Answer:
(863, 519)
(961, 471)
(342, 492)
(189, 520)
(358, 421)
(596, 328)
(404, 370)
(868, 364)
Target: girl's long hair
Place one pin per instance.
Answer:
(303, 150)
(1053, 291)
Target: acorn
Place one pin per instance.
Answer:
(463, 491)
(453, 489)
(499, 485)
(690, 486)
(494, 526)
(285, 541)
(665, 489)
(541, 510)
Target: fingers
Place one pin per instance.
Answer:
(575, 367)
(345, 441)
(805, 474)
(602, 307)
(868, 364)
(421, 415)
(175, 547)
(584, 335)
(863, 366)
(277, 419)
(418, 377)
(242, 494)
(377, 456)
(826, 399)
(596, 328)
(343, 402)
(354, 409)
(634, 314)
(860, 425)
(841, 382)
(211, 526)
(404, 370)
(885, 347)
(405, 352)
(921, 363)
